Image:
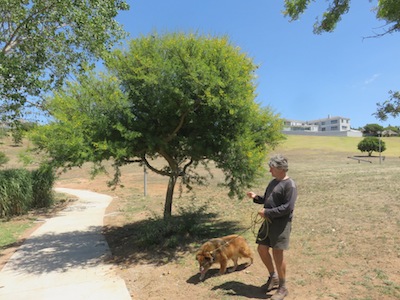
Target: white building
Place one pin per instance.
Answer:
(335, 126)
(299, 126)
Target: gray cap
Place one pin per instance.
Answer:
(279, 161)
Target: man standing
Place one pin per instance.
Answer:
(279, 199)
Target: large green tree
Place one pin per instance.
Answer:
(42, 41)
(186, 100)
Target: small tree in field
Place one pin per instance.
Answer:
(371, 144)
(187, 100)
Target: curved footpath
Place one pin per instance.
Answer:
(64, 258)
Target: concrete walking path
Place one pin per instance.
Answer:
(64, 258)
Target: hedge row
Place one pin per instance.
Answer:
(22, 190)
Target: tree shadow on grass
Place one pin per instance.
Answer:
(58, 252)
(157, 241)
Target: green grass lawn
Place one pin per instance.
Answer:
(10, 231)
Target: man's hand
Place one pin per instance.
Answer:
(251, 195)
(261, 213)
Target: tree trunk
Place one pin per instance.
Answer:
(169, 197)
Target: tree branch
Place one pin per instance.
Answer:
(178, 127)
(391, 30)
(185, 167)
(14, 39)
(146, 162)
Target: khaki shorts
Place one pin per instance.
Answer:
(276, 234)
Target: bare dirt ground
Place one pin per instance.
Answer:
(166, 275)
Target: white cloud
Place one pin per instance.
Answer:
(371, 79)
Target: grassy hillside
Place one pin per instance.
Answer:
(346, 145)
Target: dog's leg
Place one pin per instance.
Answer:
(235, 264)
(246, 252)
(202, 275)
(250, 262)
(224, 263)
(203, 271)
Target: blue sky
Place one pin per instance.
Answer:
(301, 75)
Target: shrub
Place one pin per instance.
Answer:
(172, 232)
(371, 144)
(42, 186)
(3, 158)
(22, 190)
(17, 136)
(15, 192)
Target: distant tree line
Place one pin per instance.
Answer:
(378, 130)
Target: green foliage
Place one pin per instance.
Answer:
(43, 180)
(389, 11)
(3, 132)
(41, 42)
(389, 107)
(386, 10)
(88, 127)
(3, 158)
(17, 135)
(371, 144)
(25, 157)
(15, 192)
(19, 129)
(393, 128)
(294, 9)
(193, 99)
(21, 190)
(333, 14)
(373, 129)
(186, 98)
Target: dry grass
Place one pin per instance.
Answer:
(346, 227)
(345, 241)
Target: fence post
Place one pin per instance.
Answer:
(144, 181)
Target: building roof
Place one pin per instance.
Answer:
(329, 118)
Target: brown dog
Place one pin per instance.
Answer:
(220, 250)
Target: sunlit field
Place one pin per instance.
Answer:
(345, 240)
